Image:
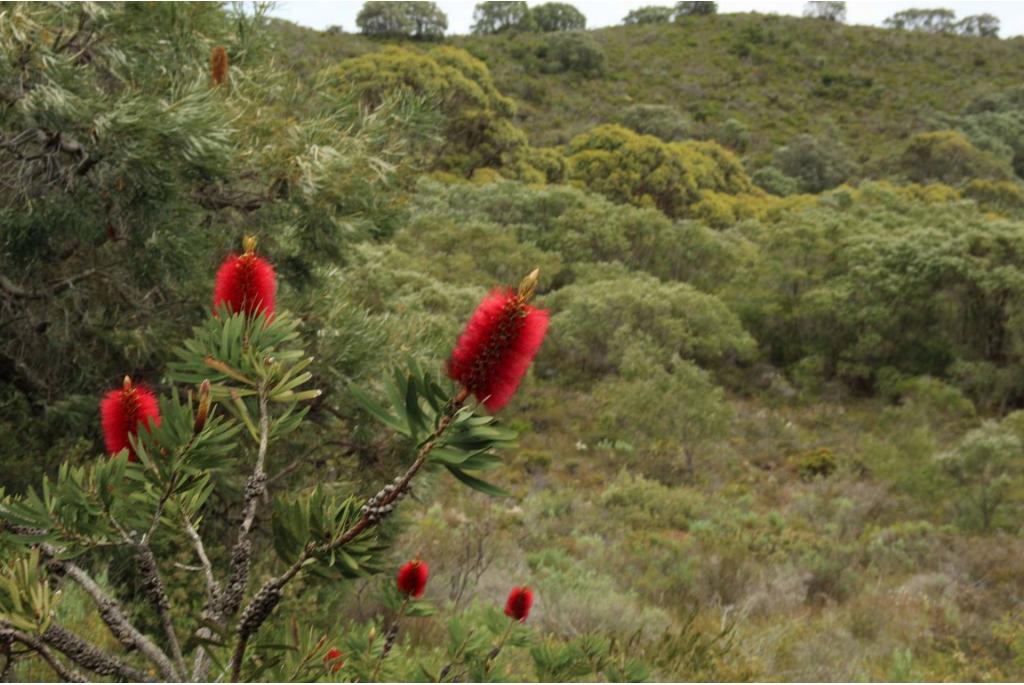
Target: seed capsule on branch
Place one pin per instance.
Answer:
(499, 343)
(518, 604)
(121, 413)
(246, 283)
(412, 578)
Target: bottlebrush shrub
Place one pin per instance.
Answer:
(238, 387)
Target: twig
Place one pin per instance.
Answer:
(111, 614)
(65, 673)
(89, 656)
(259, 608)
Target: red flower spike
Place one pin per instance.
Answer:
(412, 578)
(121, 412)
(519, 602)
(498, 344)
(246, 283)
(333, 660)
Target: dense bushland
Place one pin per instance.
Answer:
(774, 431)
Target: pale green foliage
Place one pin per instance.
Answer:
(987, 465)
(672, 410)
(815, 163)
(598, 318)
(417, 20)
(690, 8)
(498, 17)
(661, 121)
(558, 16)
(829, 11)
(477, 127)
(926, 20)
(651, 14)
(642, 170)
(947, 157)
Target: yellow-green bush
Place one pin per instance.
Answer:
(947, 157)
(476, 118)
(642, 170)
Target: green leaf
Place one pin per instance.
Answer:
(476, 483)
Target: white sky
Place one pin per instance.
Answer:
(320, 14)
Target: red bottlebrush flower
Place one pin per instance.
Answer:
(121, 412)
(332, 659)
(412, 578)
(246, 283)
(519, 602)
(498, 344)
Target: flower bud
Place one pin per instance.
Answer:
(203, 410)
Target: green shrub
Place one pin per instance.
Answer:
(773, 181)
(947, 157)
(476, 118)
(816, 164)
(662, 121)
(574, 51)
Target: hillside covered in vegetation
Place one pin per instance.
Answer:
(775, 430)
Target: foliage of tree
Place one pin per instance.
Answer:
(643, 170)
(984, 25)
(417, 20)
(775, 182)
(947, 157)
(994, 123)
(829, 11)
(986, 465)
(662, 121)
(558, 16)
(498, 17)
(815, 163)
(597, 318)
(119, 154)
(575, 51)
(476, 118)
(925, 20)
(672, 411)
(695, 8)
(651, 14)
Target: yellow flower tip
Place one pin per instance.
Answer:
(249, 244)
(528, 286)
(127, 383)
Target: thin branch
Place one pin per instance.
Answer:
(212, 588)
(241, 554)
(65, 673)
(259, 608)
(89, 656)
(111, 614)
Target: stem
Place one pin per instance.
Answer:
(389, 639)
(497, 649)
(154, 587)
(255, 487)
(197, 544)
(65, 673)
(89, 656)
(273, 587)
(111, 614)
